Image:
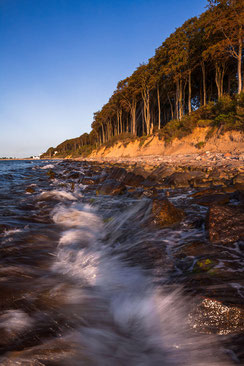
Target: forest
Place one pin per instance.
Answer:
(194, 78)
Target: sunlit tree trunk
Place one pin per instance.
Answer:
(146, 109)
(219, 77)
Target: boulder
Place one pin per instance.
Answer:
(161, 173)
(111, 187)
(127, 178)
(165, 213)
(212, 316)
(212, 199)
(225, 224)
(239, 179)
(179, 179)
(138, 170)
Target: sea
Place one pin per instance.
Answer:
(85, 279)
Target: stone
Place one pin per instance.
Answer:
(239, 179)
(212, 316)
(111, 187)
(161, 173)
(225, 224)
(165, 213)
(212, 199)
(179, 179)
(30, 190)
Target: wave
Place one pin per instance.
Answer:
(56, 195)
(128, 320)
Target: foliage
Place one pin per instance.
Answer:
(194, 79)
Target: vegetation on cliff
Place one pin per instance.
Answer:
(194, 79)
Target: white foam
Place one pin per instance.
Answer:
(48, 166)
(77, 216)
(129, 320)
(11, 232)
(57, 195)
(15, 321)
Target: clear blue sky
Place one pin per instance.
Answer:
(60, 61)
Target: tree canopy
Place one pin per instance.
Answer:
(198, 63)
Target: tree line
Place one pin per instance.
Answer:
(197, 64)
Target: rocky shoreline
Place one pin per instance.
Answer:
(212, 202)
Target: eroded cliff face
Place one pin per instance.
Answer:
(196, 142)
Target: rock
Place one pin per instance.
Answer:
(30, 190)
(140, 171)
(127, 178)
(165, 213)
(195, 249)
(239, 179)
(161, 173)
(111, 187)
(179, 179)
(87, 181)
(212, 199)
(74, 175)
(197, 178)
(132, 179)
(212, 316)
(225, 224)
(51, 174)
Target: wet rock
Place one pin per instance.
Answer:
(212, 316)
(204, 265)
(87, 181)
(74, 175)
(142, 172)
(51, 174)
(30, 190)
(225, 224)
(161, 173)
(239, 179)
(179, 179)
(165, 213)
(127, 178)
(111, 187)
(212, 199)
(195, 249)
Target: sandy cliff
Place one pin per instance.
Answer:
(231, 142)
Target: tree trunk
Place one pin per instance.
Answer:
(159, 108)
(239, 60)
(219, 78)
(204, 83)
(171, 107)
(133, 117)
(177, 100)
(146, 109)
(103, 134)
(180, 100)
(189, 92)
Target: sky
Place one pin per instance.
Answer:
(60, 61)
